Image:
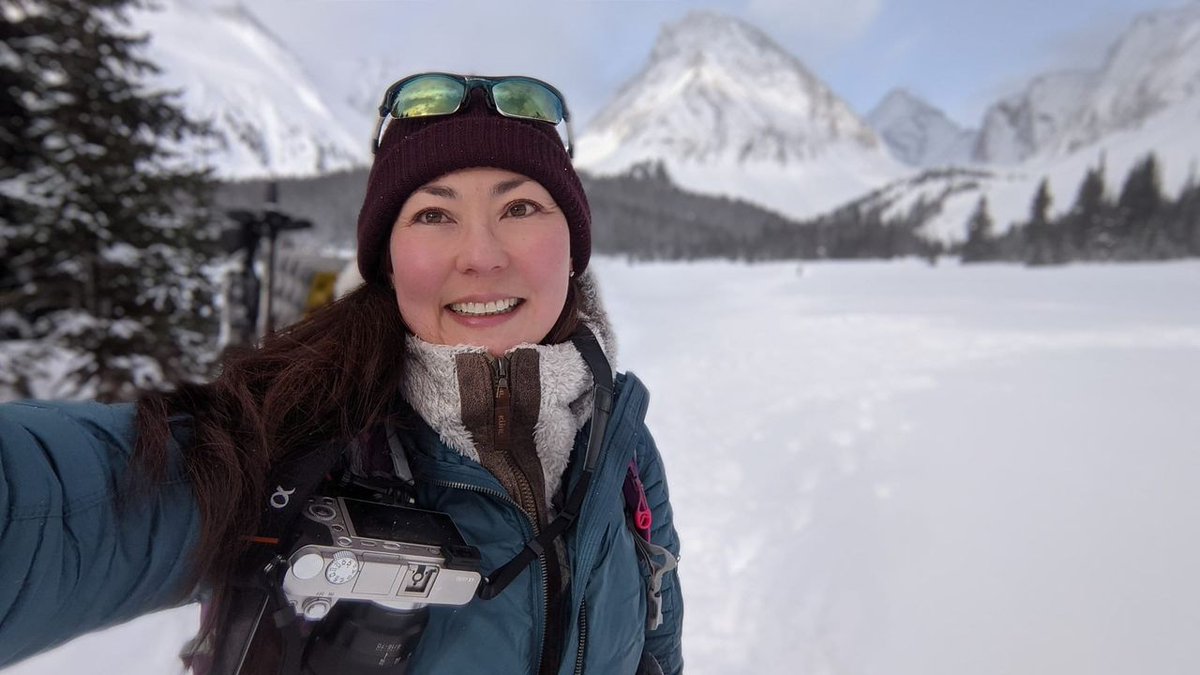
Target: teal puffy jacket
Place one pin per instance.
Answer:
(72, 560)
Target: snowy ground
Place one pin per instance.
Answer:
(891, 469)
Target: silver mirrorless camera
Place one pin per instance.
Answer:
(399, 557)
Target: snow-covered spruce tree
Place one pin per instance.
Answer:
(104, 230)
(1090, 218)
(1139, 211)
(980, 243)
(1042, 246)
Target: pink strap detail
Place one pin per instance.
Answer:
(635, 501)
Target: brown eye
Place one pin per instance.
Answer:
(430, 217)
(521, 209)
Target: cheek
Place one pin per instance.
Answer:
(418, 280)
(549, 264)
(549, 257)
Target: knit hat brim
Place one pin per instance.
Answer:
(409, 158)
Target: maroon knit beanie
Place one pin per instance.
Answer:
(415, 151)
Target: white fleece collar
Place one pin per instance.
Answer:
(431, 387)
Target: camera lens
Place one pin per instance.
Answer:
(363, 637)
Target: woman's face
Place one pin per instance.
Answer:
(480, 257)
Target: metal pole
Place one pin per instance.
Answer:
(271, 219)
(272, 231)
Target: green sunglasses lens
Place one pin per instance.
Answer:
(428, 95)
(528, 100)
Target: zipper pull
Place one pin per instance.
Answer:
(503, 403)
(501, 375)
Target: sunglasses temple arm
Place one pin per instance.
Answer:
(375, 136)
(570, 138)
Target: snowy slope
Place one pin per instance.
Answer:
(982, 470)
(270, 117)
(1145, 99)
(919, 134)
(1021, 125)
(728, 111)
(361, 91)
(1170, 134)
(1153, 66)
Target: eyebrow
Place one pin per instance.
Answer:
(497, 189)
(507, 186)
(439, 191)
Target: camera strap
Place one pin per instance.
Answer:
(602, 404)
(257, 590)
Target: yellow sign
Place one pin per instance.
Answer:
(320, 293)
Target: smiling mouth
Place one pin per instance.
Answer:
(485, 308)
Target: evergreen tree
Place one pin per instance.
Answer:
(1088, 226)
(980, 240)
(1141, 195)
(1187, 223)
(1138, 207)
(103, 227)
(1041, 243)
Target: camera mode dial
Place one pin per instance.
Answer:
(342, 568)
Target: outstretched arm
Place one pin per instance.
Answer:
(78, 550)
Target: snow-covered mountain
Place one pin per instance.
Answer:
(270, 117)
(919, 134)
(1144, 98)
(726, 110)
(1024, 124)
(1153, 66)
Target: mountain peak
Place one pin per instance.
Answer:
(919, 134)
(712, 79)
(719, 95)
(705, 31)
(900, 100)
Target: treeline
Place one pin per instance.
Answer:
(642, 214)
(1141, 223)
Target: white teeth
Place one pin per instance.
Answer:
(485, 308)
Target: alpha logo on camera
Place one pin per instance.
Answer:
(280, 499)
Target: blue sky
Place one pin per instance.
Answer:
(959, 54)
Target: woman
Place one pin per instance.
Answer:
(473, 241)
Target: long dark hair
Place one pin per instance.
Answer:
(324, 379)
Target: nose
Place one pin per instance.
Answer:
(481, 251)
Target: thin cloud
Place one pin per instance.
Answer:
(831, 24)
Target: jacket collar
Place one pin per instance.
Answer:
(449, 385)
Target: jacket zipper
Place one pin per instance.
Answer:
(503, 419)
(503, 411)
(533, 525)
(582, 637)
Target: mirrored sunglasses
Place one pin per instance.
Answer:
(433, 94)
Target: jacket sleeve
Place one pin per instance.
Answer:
(78, 550)
(665, 642)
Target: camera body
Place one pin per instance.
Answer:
(399, 557)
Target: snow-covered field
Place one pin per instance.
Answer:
(892, 469)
